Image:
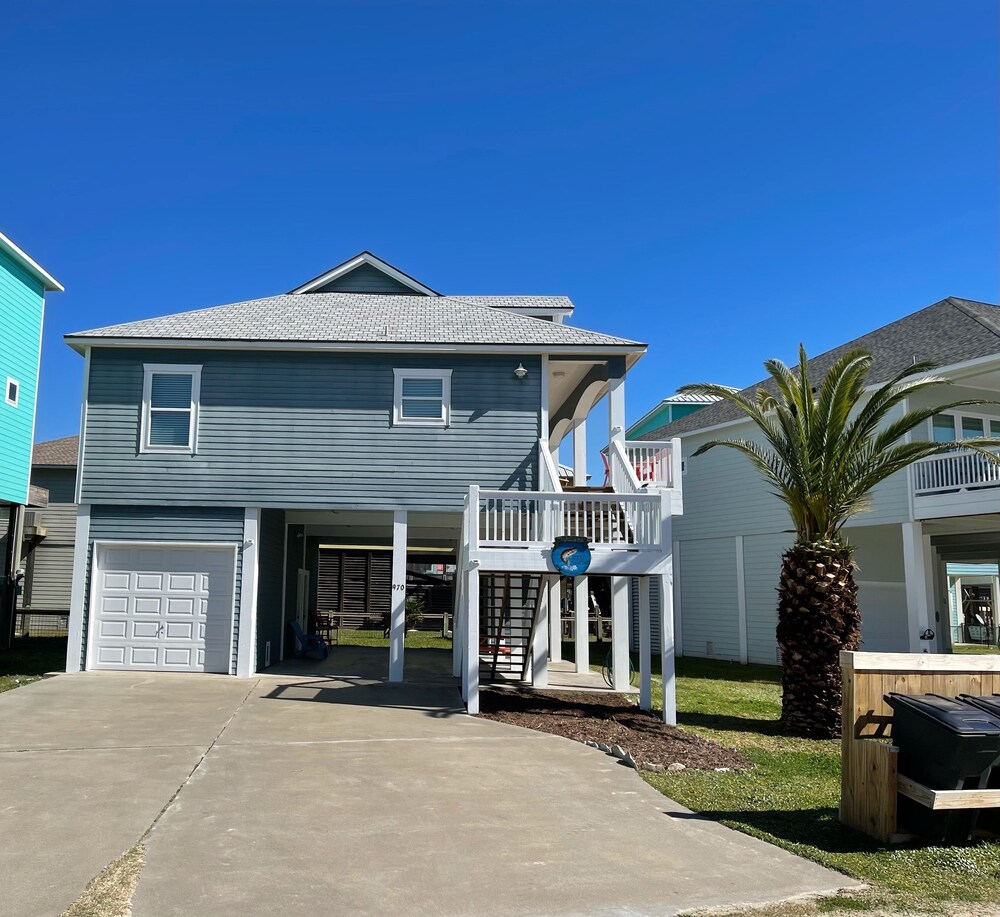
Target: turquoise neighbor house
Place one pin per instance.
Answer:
(23, 285)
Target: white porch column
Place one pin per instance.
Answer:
(581, 629)
(645, 646)
(667, 639)
(397, 610)
(470, 631)
(616, 398)
(81, 552)
(580, 454)
(457, 619)
(539, 648)
(246, 641)
(619, 633)
(555, 619)
(918, 572)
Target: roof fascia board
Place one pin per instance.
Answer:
(374, 261)
(80, 343)
(33, 267)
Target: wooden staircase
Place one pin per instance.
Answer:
(508, 611)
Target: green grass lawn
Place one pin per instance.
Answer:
(790, 798)
(30, 658)
(420, 639)
(976, 649)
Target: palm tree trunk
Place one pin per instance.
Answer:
(817, 618)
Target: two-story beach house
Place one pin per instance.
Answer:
(223, 449)
(23, 285)
(926, 528)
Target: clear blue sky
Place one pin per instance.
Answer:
(719, 179)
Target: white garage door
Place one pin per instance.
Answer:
(163, 608)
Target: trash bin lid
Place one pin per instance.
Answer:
(988, 702)
(962, 719)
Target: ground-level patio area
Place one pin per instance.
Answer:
(336, 794)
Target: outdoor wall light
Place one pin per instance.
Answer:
(520, 372)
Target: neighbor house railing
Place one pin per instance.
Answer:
(954, 471)
(521, 519)
(652, 462)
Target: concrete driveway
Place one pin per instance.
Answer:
(305, 795)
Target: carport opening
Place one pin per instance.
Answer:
(349, 607)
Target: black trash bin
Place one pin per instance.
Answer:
(989, 819)
(945, 745)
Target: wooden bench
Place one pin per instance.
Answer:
(870, 782)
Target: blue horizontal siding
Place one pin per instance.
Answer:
(313, 430)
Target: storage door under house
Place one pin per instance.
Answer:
(355, 585)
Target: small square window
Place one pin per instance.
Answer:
(170, 408)
(12, 391)
(422, 397)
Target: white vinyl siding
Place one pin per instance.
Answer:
(421, 397)
(708, 598)
(761, 568)
(170, 397)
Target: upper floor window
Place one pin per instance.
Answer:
(12, 391)
(170, 395)
(422, 397)
(947, 428)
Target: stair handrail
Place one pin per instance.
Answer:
(623, 476)
(549, 473)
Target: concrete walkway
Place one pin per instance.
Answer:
(306, 795)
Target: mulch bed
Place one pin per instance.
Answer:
(611, 719)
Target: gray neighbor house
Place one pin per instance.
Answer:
(928, 547)
(367, 420)
(47, 544)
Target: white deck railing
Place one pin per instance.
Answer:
(954, 471)
(520, 519)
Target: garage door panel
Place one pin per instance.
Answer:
(152, 582)
(116, 581)
(163, 608)
(114, 604)
(142, 656)
(147, 605)
(179, 657)
(182, 606)
(182, 582)
(111, 655)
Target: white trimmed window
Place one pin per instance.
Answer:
(12, 391)
(422, 397)
(948, 428)
(170, 396)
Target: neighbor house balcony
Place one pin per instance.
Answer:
(959, 483)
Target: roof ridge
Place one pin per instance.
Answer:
(960, 305)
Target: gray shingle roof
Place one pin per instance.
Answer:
(56, 451)
(368, 318)
(947, 332)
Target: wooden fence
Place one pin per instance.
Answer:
(870, 783)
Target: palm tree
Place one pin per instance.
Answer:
(823, 450)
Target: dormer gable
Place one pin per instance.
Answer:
(365, 273)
